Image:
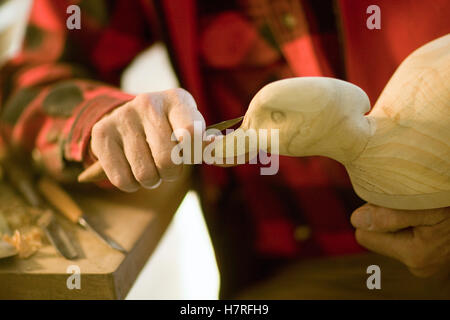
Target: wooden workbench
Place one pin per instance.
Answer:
(136, 221)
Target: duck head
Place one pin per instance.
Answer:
(313, 116)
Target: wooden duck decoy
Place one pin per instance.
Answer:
(398, 156)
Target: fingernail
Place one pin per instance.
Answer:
(154, 186)
(362, 218)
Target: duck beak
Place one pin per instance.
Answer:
(237, 147)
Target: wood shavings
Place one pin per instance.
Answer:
(26, 243)
(27, 236)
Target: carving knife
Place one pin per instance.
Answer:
(62, 201)
(95, 172)
(21, 179)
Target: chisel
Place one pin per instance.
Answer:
(21, 179)
(62, 201)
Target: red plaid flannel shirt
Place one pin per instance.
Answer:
(223, 52)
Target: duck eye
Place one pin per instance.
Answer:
(278, 116)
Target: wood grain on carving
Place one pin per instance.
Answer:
(406, 163)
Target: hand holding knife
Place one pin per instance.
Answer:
(95, 172)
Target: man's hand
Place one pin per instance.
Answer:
(418, 238)
(133, 143)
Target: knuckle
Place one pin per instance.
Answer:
(100, 130)
(150, 106)
(125, 112)
(182, 96)
(99, 134)
(180, 92)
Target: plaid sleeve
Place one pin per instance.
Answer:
(48, 107)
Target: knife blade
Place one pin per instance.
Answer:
(95, 173)
(85, 222)
(225, 124)
(21, 179)
(62, 201)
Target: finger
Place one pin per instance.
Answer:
(137, 152)
(395, 245)
(158, 138)
(112, 159)
(183, 114)
(186, 122)
(374, 218)
(158, 134)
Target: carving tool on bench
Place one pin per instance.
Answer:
(21, 179)
(95, 172)
(62, 201)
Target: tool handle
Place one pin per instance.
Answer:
(60, 199)
(92, 173)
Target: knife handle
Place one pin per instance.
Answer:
(60, 199)
(93, 173)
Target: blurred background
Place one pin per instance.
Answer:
(13, 20)
(183, 266)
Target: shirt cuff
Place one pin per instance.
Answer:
(85, 117)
